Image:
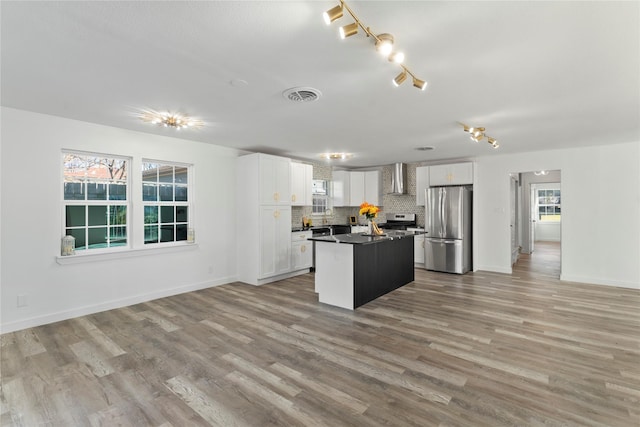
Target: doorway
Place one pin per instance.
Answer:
(536, 220)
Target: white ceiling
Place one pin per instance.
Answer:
(538, 75)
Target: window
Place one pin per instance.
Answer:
(95, 200)
(165, 196)
(320, 197)
(320, 205)
(549, 205)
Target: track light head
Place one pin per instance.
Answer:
(384, 44)
(332, 14)
(400, 78)
(397, 57)
(348, 30)
(420, 84)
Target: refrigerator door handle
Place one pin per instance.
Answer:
(442, 212)
(451, 242)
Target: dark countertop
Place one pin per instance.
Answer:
(294, 229)
(363, 239)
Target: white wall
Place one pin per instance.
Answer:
(31, 222)
(600, 211)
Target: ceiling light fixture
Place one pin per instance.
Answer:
(477, 134)
(335, 156)
(167, 119)
(383, 41)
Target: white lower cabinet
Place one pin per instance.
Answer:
(418, 247)
(301, 250)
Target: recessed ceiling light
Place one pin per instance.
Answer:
(426, 148)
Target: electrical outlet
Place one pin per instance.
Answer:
(22, 301)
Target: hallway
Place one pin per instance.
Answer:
(543, 262)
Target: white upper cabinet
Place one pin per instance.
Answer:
(372, 187)
(274, 180)
(452, 174)
(341, 183)
(422, 183)
(301, 184)
(356, 189)
(353, 188)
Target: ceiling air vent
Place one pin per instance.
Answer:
(302, 94)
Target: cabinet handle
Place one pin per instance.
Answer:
(276, 214)
(276, 196)
(303, 248)
(293, 197)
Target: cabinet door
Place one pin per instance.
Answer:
(308, 185)
(340, 182)
(422, 183)
(372, 187)
(275, 240)
(301, 255)
(452, 174)
(275, 180)
(297, 184)
(356, 189)
(418, 251)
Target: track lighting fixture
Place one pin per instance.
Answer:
(477, 135)
(383, 42)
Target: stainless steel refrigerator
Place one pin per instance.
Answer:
(448, 227)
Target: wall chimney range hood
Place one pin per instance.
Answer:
(398, 178)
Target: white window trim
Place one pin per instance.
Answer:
(189, 203)
(125, 253)
(127, 202)
(134, 247)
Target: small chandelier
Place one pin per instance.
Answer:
(383, 42)
(167, 119)
(477, 135)
(336, 156)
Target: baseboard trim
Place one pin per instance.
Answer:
(597, 281)
(110, 305)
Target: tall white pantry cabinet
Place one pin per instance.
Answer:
(264, 218)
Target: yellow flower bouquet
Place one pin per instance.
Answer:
(369, 211)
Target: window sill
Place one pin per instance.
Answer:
(125, 253)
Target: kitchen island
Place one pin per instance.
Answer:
(354, 269)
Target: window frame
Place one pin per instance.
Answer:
(87, 203)
(188, 203)
(554, 205)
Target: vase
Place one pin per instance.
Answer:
(371, 229)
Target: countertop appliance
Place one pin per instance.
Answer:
(398, 221)
(448, 226)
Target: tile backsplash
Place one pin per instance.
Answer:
(391, 203)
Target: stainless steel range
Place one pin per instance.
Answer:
(398, 221)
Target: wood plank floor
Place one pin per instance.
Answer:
(481, 349)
